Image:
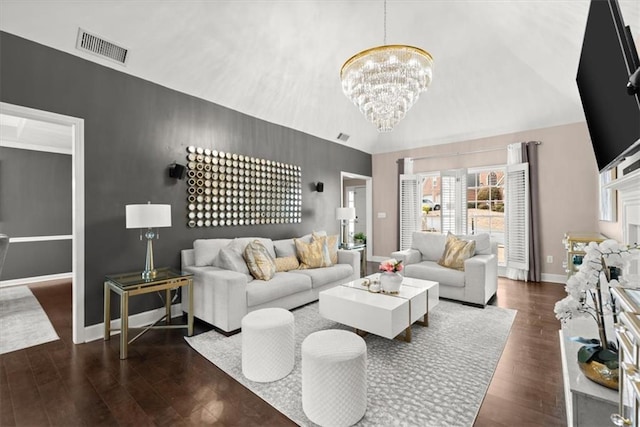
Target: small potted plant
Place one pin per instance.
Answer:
(359, 238)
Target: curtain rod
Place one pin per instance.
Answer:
(460, 154)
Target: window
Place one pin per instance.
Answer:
(485, 206)
(461, 201)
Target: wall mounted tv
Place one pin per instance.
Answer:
(608, 58)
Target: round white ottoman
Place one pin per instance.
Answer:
(334, 377)
(268, 344)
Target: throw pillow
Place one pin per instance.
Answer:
(456, 251)
(332, 246)
(287, 263)
(311, 255)
(259, 261)
(206, 250)
(229, 259)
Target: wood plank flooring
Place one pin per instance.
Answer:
(166, 383)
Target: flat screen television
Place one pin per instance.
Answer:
(608, 58)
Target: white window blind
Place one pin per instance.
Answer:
(410, 208)
(517, 216)
(453, 209)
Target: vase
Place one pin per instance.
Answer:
(599, 365)
(390, 282)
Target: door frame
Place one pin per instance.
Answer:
(77, 210)
(368, 202)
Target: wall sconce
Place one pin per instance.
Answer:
(320, 187)
(177, 171)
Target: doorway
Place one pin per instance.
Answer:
(76, 127)
(357, 191)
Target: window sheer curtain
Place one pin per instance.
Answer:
(519, 153)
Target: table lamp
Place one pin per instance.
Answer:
(344, 215)
(148, 216)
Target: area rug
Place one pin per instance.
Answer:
(439, 378)
(23, 322)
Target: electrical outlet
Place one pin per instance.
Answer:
(549, 259)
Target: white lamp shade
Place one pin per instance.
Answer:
(345, 213)
(148, 216)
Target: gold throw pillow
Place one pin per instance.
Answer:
(287, 263)
(312, 255)
(457, 250)
(332, 246)
(259, 261)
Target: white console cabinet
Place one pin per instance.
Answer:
(588, 404)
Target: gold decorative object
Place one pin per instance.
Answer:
(600, 373)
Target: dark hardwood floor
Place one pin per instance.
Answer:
(166, 383)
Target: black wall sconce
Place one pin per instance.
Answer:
(320, 187)
(177, 171)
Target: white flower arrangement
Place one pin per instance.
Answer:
(588, 289)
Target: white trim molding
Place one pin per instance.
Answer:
(77, 183)
(39, 238)
(35, 279)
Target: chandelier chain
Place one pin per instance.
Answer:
(384, 41)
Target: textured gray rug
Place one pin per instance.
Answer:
(438, 379)
(23, 322)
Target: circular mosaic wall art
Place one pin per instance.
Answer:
(228, 189)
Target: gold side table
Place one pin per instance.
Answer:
(131, 284)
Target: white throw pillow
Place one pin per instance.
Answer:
(206, 250)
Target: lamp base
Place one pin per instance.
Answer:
(149, 274)
(149, 271)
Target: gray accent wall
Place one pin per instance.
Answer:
(35, 201)
(133, 130)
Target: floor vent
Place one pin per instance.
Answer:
(343, 137)
(98, 46)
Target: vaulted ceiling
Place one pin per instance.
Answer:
(500, 66)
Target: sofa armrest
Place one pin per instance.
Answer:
(219, 296)
(352, 258)
(481, 277)
(188, 258)
(408, 256)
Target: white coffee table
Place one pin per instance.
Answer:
(386, 315)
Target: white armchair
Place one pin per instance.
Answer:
(476, 285)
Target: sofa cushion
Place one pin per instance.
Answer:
(287, 263)
(323, 276)
(456, 251)
(312, 255)
(282, 285)
(284, 248)
(206, 250)
(483, 242)
(430, 270)
(260, 263)
(430, 245)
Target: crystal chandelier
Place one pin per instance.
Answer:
(385, 81)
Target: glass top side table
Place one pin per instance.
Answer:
(130, 284)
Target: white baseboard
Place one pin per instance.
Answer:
(35, 279)
(96, 332)
(554, 278)
(377, 259)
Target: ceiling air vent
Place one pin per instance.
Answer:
(343, 137)
(98, 46)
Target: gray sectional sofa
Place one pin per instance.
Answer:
(476, 285)
(224, 291)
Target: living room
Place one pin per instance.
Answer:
(134, 126)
